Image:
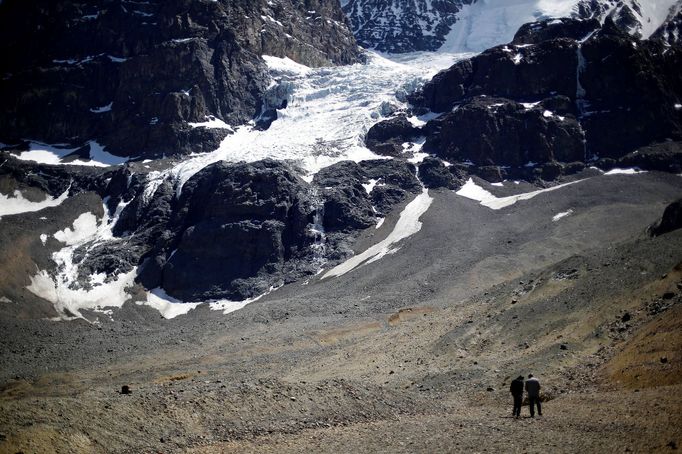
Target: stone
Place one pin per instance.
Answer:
(387, 137)
(671, 220)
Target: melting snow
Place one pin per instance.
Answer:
(102, 109)
(18, 204)
(370, 186)
(408, 224)
(53, 154)
(168, 306)
(562, 215)
(211, 123)
(471, 190)
(633, 171)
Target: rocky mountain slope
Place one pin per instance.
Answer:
(562, 95)
(397, 26)
(475, 25)
(147, 79)
(367, 262)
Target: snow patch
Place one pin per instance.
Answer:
(102, 109)
(408, 224)
(54, 155)
(563, 214)
(211, 123)
(471, 190)
(168, 306)
(18, 204)
(632, 171)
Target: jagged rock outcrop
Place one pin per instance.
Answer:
(435, 174)
(544, 30)
(231, 231)
(568, 94)
(639, 18)
(134, 75)
(397, 26)
(671, 220)
(490, 131)
(387, 137)
(664, 157)
(356, 194)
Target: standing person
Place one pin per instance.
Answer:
(516, 389)
(533, 390)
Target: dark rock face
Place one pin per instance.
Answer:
(631, 95)
(671, 220)
(233, 222)
(397, 26)
(132, 76)
(544, 30)
(556, 100)
(521, 73)
(498, 131)
(665, 157)
(434, 173)
(233, 231)
(387, 137)
(348, 206)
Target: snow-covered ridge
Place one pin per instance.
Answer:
(475, 25)
(487, 23)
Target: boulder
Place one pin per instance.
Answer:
(664, 157)
(671, 220)
(387, 137)
(434, 174)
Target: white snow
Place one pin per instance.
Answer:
(227, 306)
(370, 186)
(653, 14)
(211, 122)
(471, 190)
(563, 214)
(53, 154)
(102, 109)
(487, 23)
(43, 238)
(168, 306)
(84, 227)
(329, 111)
(18, 204)
(62, 290)
(632, 171)
(408, 224)
(285, 65)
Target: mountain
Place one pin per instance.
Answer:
(226, 228)
(564, 93)
(147, 79)
(397, 26)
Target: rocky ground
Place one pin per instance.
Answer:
(413, 353)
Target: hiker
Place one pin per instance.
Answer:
(533, 390)
(516, 389)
